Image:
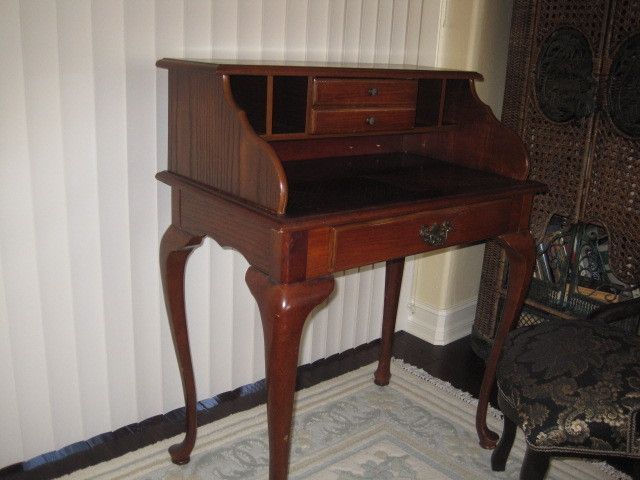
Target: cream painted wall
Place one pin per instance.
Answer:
(474, 35)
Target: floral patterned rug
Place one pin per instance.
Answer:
(417, 428)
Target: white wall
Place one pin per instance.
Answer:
(84, 342)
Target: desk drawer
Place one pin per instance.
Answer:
(360, 120)
(338, 91)
(362, 244)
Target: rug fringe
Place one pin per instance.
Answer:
(444, 386)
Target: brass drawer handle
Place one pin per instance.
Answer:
(370, 121)
(436, 234)
(373, 91)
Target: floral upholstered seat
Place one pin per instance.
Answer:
(573, 387)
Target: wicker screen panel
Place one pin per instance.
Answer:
(613, 191)
(556, 154)
(522, 23)
(557, 150)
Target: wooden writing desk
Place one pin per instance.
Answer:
(309, 169)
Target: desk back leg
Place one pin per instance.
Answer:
(392, 282)
(283, 309)
(175, 248)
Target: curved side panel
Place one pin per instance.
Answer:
(211, 141)
(476, 138)
(263, 176)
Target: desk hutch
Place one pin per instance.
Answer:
(309, 169)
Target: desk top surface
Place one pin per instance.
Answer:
(339, 184)
(289, 67)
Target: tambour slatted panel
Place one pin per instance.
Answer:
(84, 343)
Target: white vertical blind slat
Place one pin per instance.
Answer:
(296, 29)
(197, 28)
(249, 28)
(429, 23)
(243, 325)
(44, 123)
(198, 306)
(398, 31)
(368, 27)
(412, 35)
(363, 305)
(383, 32)
(349, 309)
(113, 211)
(81, 178)
(221, 319)
(11, 439)
(139, 30)
(317, 30)
(274, 14)
(336, 30)
(224, 29)
(85, 338)
(23, 305)
(351, 33)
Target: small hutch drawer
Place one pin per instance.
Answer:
(361, 120)
(382, 240)
(337, 91)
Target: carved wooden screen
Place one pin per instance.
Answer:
(557, 95)
(612, 197)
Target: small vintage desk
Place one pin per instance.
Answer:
(308, 169)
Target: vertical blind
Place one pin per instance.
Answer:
(84, 342)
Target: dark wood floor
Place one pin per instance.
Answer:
(455, 363)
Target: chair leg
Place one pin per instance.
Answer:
(535, 465)
(502, 450)
(636, 470)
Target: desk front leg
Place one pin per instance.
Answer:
(520, 251)
(392, 282)
(175, 248)
(283, 309)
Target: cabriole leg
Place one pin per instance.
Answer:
(175, 248)
(392, 282)
(283, 309)
(521, 255)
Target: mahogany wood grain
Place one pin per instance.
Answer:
(520, 249)
(480, 141)
(359, 120)
(333, 147)
(316, 69)
(300, 207)
(362, 244)
(392, 283)
(175, 248)
(375, 91)
(283, 309)
(214, 144)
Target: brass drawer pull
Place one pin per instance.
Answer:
(436, 234)
(373, 91)
(370, 121)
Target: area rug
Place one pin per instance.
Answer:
(417, 428)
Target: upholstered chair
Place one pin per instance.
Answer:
(573, 387)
